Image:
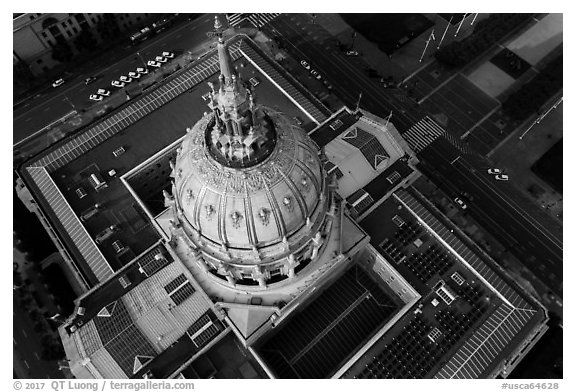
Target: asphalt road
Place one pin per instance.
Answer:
(345, 73)
(27, 349)
(528, 235)
(532, 237)
(54, 103)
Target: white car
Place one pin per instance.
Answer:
(134, 75)
(168, 55)
(305, 64)
(118, 84)
(142, 71)
(161, 59)
(153, 63)
(460, 203)
(316, 74)
(206, 97)
(502, 177)
(96, 97)
(254, 82)
(58, 82)
(494, 171)
(352, 53)
(103, 92)
(125, 79)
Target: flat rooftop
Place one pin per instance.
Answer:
(468, 303)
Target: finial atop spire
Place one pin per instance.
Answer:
(218, 27)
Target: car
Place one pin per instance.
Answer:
(153, 63)
(502, 177)
(89, 80)
(206, 97)
(168, 55)
(254, 82)
(134, 75)
(316, 74)
(96, 97)
(142, 71)
(161, 59)
(328, 85)
(494, 171)
(103, 92)
(305, 64)
(118, 84)
(58, 82)
(125, 79)
(460, 203)
(298, 120)
(352, 53)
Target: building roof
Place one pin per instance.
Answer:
(122, 325)
(257, 206)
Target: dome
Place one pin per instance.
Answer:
(259, 204)
(249, 194)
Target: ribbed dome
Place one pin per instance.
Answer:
(258, 206)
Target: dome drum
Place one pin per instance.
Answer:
(249, 191)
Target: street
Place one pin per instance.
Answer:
(54, 103)
(28, 349)
(523, 234)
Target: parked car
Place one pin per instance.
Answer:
(96, 97)
(352, 53)
(316, 74)
(254, 81)
(502, 177)
(134, 75)
(118, 84)
(206, 97)
(125, 79)
(58, 82)
(142, 71)
(168, 55)
(153, 63)
(89, 80)
(161, 59)
(494, 171)
(103, 92)
(305, 64)
(460, 203)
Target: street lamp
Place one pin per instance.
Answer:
(141, 59)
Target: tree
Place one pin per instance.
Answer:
(85, 41)
(62, 52)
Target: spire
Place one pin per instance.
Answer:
(226, 67)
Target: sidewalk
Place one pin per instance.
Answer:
(517, 156)
(406, 60)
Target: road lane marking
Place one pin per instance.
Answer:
(36, 355)
(26, 363)
(14, 340)
(24, 333)
(178, 36)
(519, 210)
(46, 109)
(28, 119)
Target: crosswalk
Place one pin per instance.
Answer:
(423, 133)
(257, 20)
